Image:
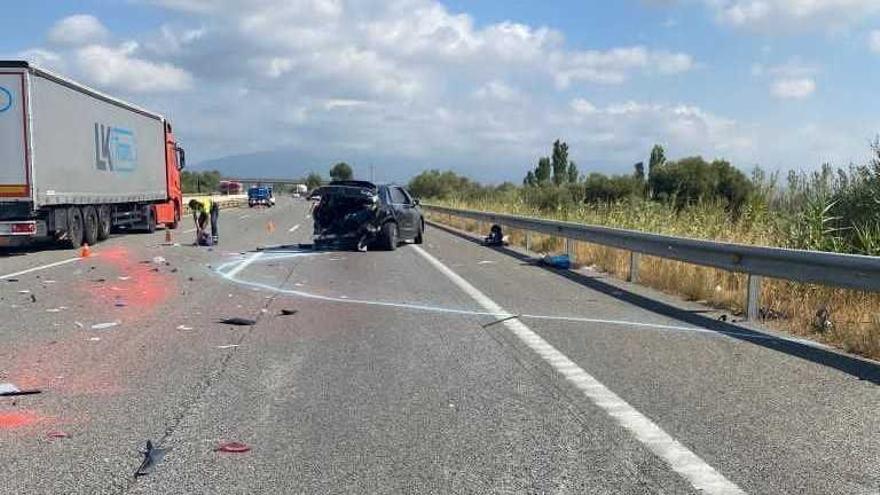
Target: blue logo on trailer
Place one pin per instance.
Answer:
(5, 99)
(115, 149)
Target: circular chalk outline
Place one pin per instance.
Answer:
(8, 99)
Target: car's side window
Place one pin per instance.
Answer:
(397, 196)
(407, 198)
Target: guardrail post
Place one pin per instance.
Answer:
(634, 259)
(528, 240)
(568, 247)
(753, 298)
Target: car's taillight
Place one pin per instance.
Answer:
(24, 228)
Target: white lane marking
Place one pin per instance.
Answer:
(700, 474)
(294, 228)
(38, 268)
(244, 264)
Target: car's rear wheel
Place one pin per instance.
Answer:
(420, 236)
(389, 236)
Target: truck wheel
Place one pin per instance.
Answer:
(104, 224)
(90, 225)
(74, 227)
(150, 220)
(389, 236)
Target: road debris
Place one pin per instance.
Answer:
(33, 298)
(57, 435)
(228, 346)
(496, 237)
(79, 324)
(184, 327)
(158, 260)
(120, 302)
(502, 320)
(239, 322)
(95, 339)
(152, 457)
(123, 278)
(10, 390)
(233, 448)
(288, 312)
(104, 326)
(25, 291)
(12, 280)
(561, 261)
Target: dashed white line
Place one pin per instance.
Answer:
(294, 228)
(700, 474)
(38, 268)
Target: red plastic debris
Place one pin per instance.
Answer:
(233, 447)
(57, 434)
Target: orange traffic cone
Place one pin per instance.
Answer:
(85, 252)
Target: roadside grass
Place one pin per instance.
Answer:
(846, 319)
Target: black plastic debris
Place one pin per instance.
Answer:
(12, 280)
(502, 320)
(495, 237)
(239, 322)
(289, 312)
(33, 298)
(16, 393)
(152, 457)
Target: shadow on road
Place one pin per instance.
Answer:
(859, 368)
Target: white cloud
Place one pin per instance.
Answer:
(874, 41)
(796, 14)
(78, 29)
(793, 89)
(119, 69)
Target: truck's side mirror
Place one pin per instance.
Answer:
(417, 202)
(181, 158)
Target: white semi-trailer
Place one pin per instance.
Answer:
(76, 163)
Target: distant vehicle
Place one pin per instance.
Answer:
(358, 214)
(76, 163)
(231, 187)
(260, 195)
(300, 190)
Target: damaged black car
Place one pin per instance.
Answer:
(361, 215)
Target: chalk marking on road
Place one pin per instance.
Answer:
(39, 268)
(700, 474)
(294, 228)
(627, 325)
(190, 231)
(243, 264)
(243, 217)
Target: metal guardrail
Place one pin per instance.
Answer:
(833, 269)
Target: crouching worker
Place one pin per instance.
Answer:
(204, 210)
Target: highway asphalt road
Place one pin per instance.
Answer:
(395, 375)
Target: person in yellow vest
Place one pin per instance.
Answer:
(203, 210)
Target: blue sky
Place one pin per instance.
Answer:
(480, 86)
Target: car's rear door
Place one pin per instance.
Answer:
(403, 211)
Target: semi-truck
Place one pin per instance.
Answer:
(76, 164)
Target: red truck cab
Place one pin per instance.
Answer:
(169, 213)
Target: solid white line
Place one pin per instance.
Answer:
(294, 228)
(244, 264)
(701, 475)
(38, 268)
